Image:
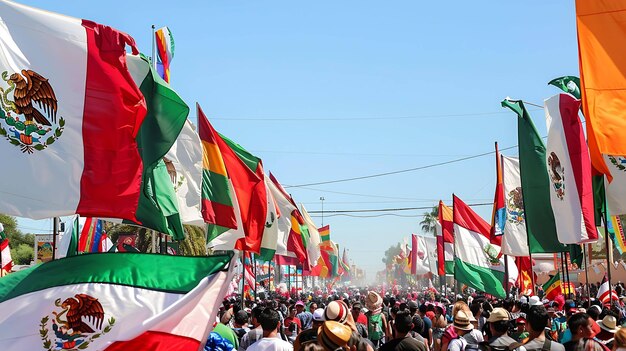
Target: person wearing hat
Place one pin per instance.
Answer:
(271, 341)
(333, 336)
(376, 321)
(536, 322)
(462, 325)
(310, 335)
(520, 332)
(608, 327)
(403, 323)
(499, 323)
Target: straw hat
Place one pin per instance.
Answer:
(462, 321)
(336, 311)
(333, 335)
(609, 323)
(373, 302)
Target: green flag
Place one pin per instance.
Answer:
(540, 224)
(164, 120)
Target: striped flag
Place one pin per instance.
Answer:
(217, 202)
(616, 231)
(552, 288)
(515, 238)
(445, 240)
(498, 217)
(114, 302)
(604, 295)
(325, 237)
(6, 263)
(93, 238)
(165, 51)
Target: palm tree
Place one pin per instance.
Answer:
(429, 223)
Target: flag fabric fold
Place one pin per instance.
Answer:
(68, 240)
(165, 51)
(478, 263)
(91, 111)
(602, 61)
(313, 246)
(540, 224)
(515, 239)
(606, 293)
(6, 262)
(445, 240)
(552, 288)
(120, 301)
(498, 217)
(569, 171)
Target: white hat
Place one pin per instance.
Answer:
(535, 301)
(523, 299)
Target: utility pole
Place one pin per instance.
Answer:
(322, 200)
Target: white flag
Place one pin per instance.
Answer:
(185, 158)
(313, 246)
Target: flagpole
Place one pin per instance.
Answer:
(608, 259)
(55, 228)
(506, 274)
(586, 273)
(153, 49)
(569, 290)
(243, 276)
(253, 259)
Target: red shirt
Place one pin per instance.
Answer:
(290, 320)
(362, 319)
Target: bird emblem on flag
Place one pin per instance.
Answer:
(76, 325)
(618, 161)
(32, 128)
(491, 254)
(515, 206)
(557, 175)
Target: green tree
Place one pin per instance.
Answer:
(194, 243)
(22, 254)
(391, 253)
(16, 237)
(429, 223)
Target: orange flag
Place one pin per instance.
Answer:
(602, 58)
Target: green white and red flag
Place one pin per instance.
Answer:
(6, 262)
(76, 102)
(114, 302)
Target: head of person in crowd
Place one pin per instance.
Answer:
(619, 341)
(403, 323)
(536, 320)
(312, 307)
(333, 335)
(311, 346)
(336, 311)
(520, 325)
(499, 322)
(299, 306)
(413, 307)
(256, 315)
(460, 306)
(318, 318)
(580, 326)
(270, 321)
(241, 319)
(594, 311)
(608, 327)
(356, 310)
(461, 323)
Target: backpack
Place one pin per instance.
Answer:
(375, 326)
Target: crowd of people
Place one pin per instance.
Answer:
(362, 320)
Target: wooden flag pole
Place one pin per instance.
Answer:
(586, 272)
(243, 277)
(506, 275)
(608, 255)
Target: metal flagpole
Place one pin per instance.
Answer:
(506, 274)
(608, 254)
(532, 270)
(586, 272)
(55, 228)
(153, 48)
(253, 259)
(243, 275)
(569, 286)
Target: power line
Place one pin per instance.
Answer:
(291, 119)
(400, 171)
(390, 209)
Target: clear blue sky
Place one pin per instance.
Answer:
(324, 90)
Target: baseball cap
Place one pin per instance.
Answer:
(299, 303)
(534, 301)
(412, 304)
(318, 315)
(498, 314)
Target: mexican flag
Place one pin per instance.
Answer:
(569, 171)
(71, 109)
(538, 213)
(478, 263)
(113, 301)
(515, 239)
(445, 240)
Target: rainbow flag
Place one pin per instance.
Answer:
(498, 217)
(93, 238)
(552, 288)
(165, 51)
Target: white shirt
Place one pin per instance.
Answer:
(271, 344)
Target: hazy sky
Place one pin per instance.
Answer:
(327, 90)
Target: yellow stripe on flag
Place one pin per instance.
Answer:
(212, 159)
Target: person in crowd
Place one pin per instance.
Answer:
(499, 322)
(462, 325)
(521, 331)
(271, 341)
(305, 317)
(254, 334)
(582, 334)
(293, 326)
(439, 326)
(310, 335)
(536, 322)
(334, 336)
(619, 342)
(427, 330)
(376, 321)
(403, 323)
(240, 324)
(608, 328)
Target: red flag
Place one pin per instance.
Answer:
(498, 215)
(413, 255)
(524, 279)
